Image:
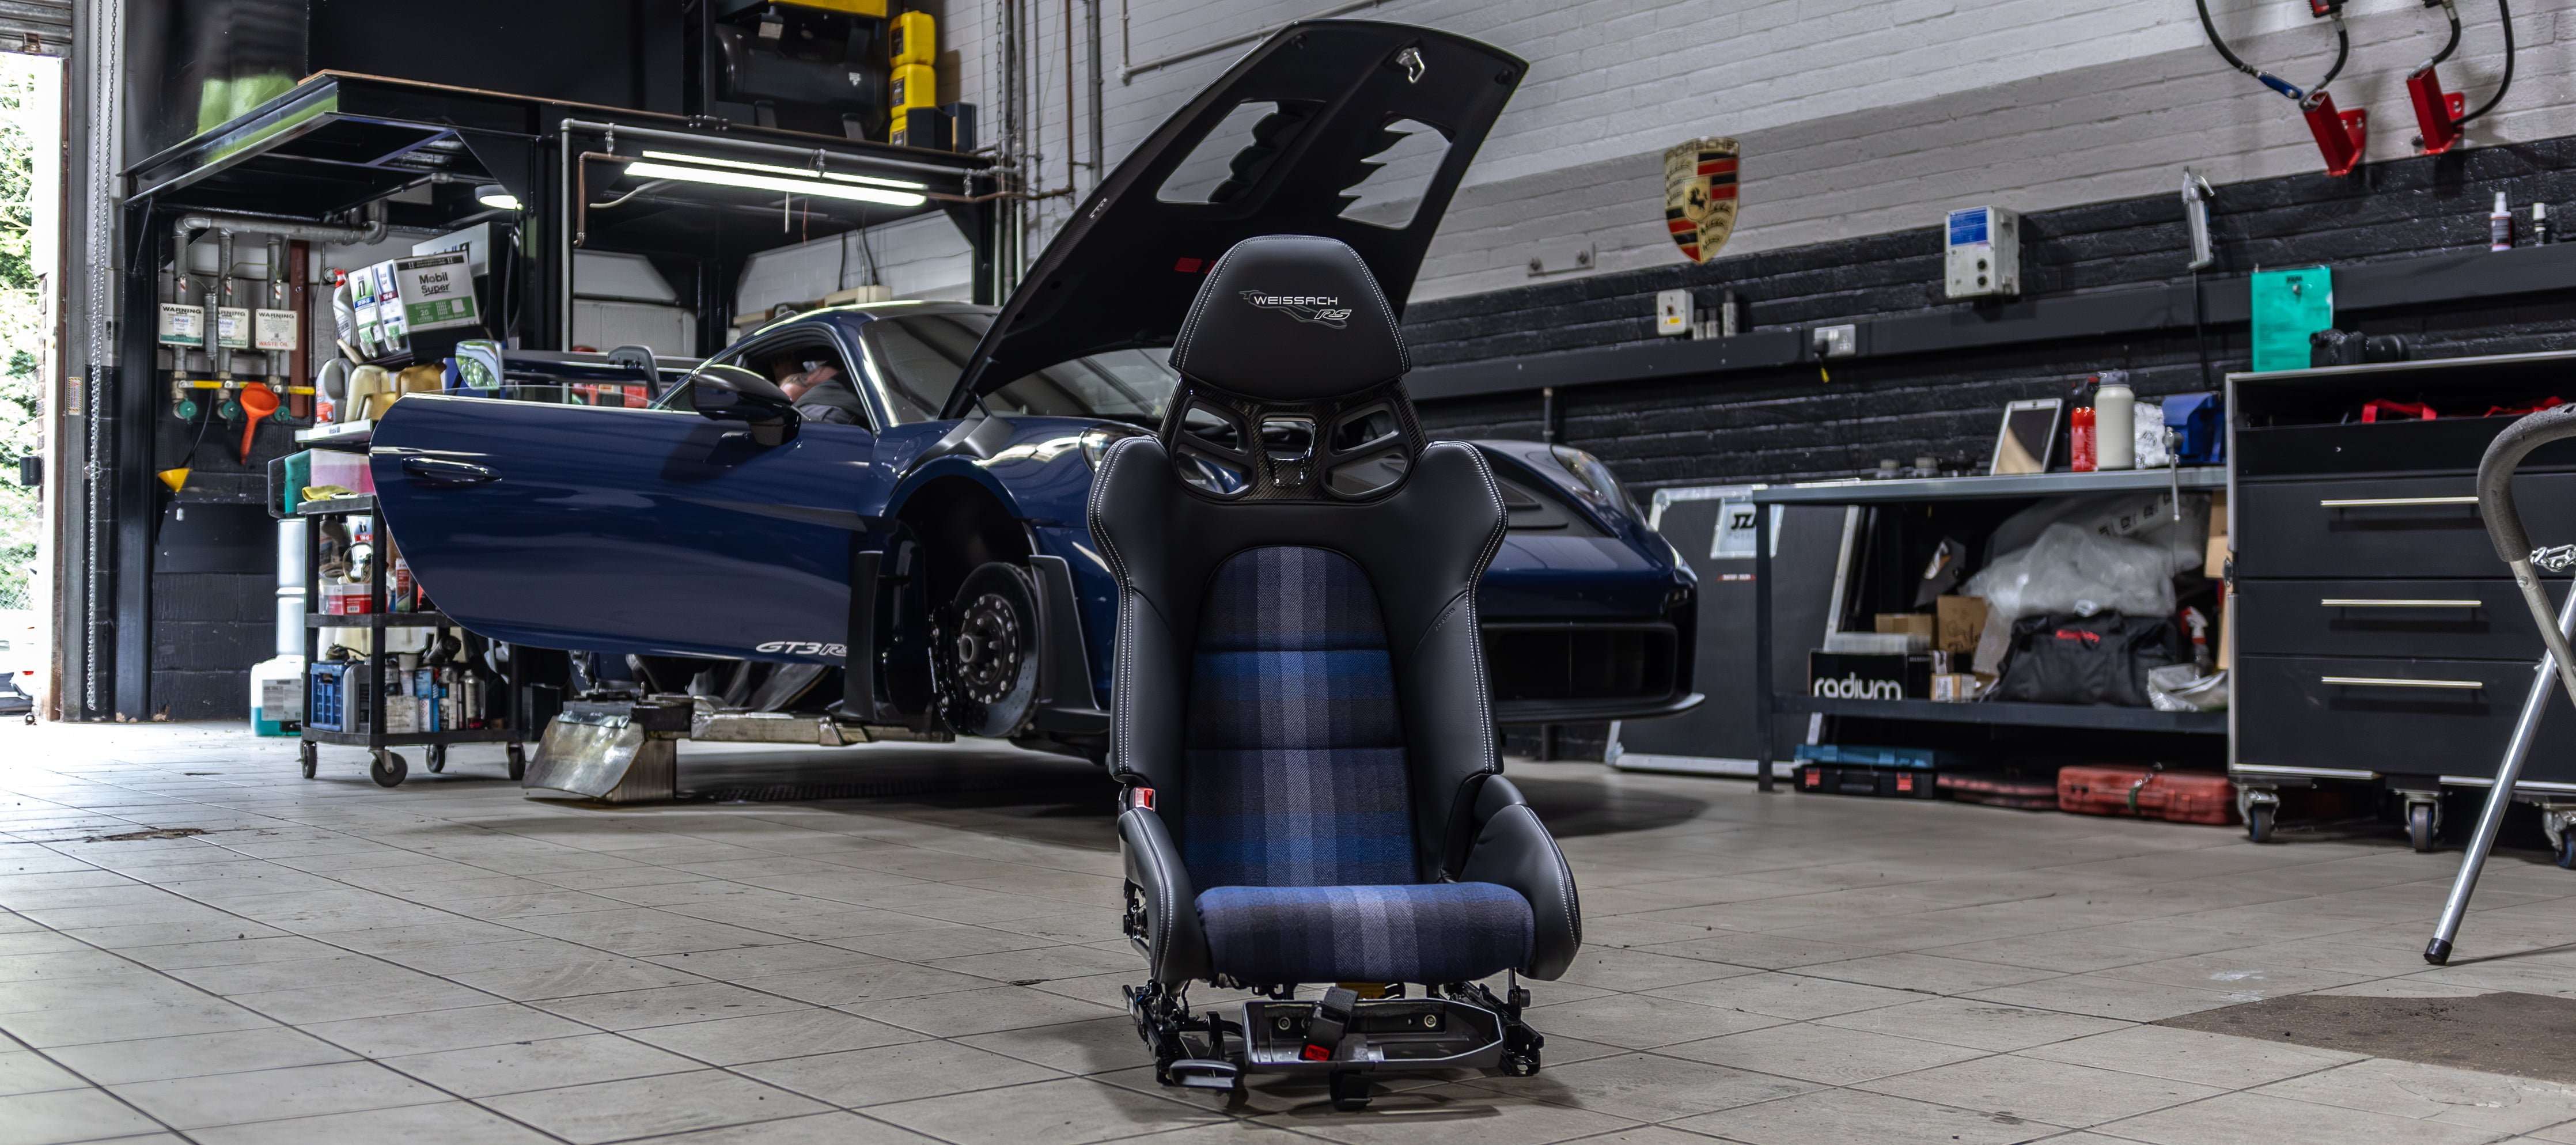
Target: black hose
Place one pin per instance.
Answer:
(2505, 12)
(2343, 51)
(2454, 44)
(2209, 26)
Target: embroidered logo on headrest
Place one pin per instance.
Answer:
(1303, 307)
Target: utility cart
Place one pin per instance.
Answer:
(359, 702)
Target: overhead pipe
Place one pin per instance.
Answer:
(187, 226)
(217, 300)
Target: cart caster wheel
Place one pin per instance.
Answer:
(436, 757)
(1520, 1065)
(1350, 1091)
(518, 762)
(388, 769)
(310, 756)
(2419, 827)
(2258, 823)
(2567, 850)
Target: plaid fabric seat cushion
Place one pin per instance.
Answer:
(1296, 771)
(1429, 933)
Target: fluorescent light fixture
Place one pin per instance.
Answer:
(819, 190)
(496, 196)
(792, 172)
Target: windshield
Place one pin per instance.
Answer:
(919, 358)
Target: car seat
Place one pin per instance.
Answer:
(1312, 792)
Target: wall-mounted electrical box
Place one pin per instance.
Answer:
(1672, 312)
(1981, 253)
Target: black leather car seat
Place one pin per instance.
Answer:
(1301, 707)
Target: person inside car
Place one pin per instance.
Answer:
(819, 391)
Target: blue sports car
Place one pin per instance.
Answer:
(888, 500)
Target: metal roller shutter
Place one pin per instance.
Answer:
(36, 27)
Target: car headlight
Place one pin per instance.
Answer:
(1599, 485)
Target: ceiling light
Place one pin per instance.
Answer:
(792, 172)
(496, 196)
(820, 190)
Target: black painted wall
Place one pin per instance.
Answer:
(1791, 424)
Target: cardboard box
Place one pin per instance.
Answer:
(1957, 623)
(1868, 676)
(1909, 623)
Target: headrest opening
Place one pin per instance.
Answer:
(1290, 318)
(1234, 448)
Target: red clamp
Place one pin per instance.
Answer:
(2340, 135)
(2437, 112)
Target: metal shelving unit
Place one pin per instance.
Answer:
(1928, 489)
(387, 766)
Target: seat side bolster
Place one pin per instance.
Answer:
(1174, 945)
(1514, 850)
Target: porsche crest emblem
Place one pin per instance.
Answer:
(1699, 196)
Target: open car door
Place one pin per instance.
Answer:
(1349, 129)
(626, 530)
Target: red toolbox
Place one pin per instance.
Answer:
(2023, 792)
(2178, 796)
(1846, 779)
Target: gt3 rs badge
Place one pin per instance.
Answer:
(801, 648)
(1303, 307)
(1699, 196)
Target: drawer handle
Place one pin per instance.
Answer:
(2357, 602)
(2384, 682)
(2374, 502)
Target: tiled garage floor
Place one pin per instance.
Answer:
(452, 962)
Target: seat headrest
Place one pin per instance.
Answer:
(1290, 318)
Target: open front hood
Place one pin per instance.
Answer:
(1123, 272)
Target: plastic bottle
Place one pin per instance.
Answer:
(2079, 439)
(2500, 226)
(2540, 224)
(2115, 417)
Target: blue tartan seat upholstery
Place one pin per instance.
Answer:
(1299, 815)
(1430, 933)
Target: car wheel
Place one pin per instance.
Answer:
(985, 644)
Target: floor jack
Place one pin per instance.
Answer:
(2504, 528)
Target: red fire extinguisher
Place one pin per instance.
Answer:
(2340, 135)
(2439, 115)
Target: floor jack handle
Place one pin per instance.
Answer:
(2504, 528)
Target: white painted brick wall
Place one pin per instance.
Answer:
(1857, 116)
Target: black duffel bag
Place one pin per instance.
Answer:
(2097, 659)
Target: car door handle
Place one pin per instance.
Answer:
(441, 471)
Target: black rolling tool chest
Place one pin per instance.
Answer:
(2377, 638)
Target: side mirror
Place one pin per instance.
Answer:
(731, 393)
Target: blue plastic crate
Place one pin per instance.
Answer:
(1864, 755)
